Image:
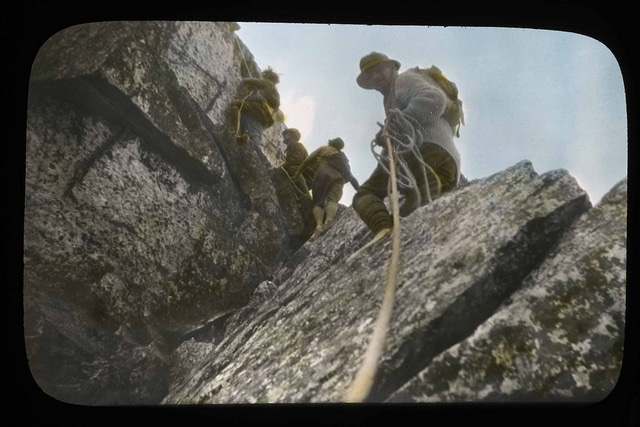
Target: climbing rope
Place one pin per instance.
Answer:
(398, 150)
(361, 385)
(293, 183)
(237, 135)
(239, 112)
(250, 92)
(242, 56)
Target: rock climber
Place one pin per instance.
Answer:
(428, 102)
(331, 171)
(295, 154)
(256, 106)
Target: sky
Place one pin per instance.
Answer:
(554, 98)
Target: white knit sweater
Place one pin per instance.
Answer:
(422, 99)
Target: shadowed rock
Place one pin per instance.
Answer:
(144, 219)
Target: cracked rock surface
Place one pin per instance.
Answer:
(468, 259)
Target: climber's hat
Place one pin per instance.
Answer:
(293, 131)
(336, 143)
(369, 61)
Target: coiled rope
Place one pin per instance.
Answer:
(407, 145)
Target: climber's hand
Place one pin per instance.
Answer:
(399, 129)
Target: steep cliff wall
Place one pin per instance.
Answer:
(166, 263)
(144, 219)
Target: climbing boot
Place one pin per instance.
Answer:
(318, 215)
(330, 210)
(378, 237)
(372, 210)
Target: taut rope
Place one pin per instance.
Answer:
(242, 56)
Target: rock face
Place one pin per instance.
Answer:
(510, 289)
(144, 219)
(164, 263)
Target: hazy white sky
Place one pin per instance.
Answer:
(554, 98)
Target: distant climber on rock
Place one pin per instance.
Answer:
(331, 171)
(295, 154)
(256, 107)
(423, 114)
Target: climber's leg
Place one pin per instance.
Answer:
(251, 129)
(318, 215)
(368, 201)
(441, 173)
(334, 194)
(330, 209)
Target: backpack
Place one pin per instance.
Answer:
(340, 163)
(453, 113)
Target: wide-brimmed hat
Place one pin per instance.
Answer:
(369, 61)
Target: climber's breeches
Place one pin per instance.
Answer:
(327, 187)
(369, 199)
(252, 127)
(442, 164)
(441, 173)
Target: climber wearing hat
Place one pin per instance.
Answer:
(331, 171)
(420, 100)
(295, 154)
(256, 106)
